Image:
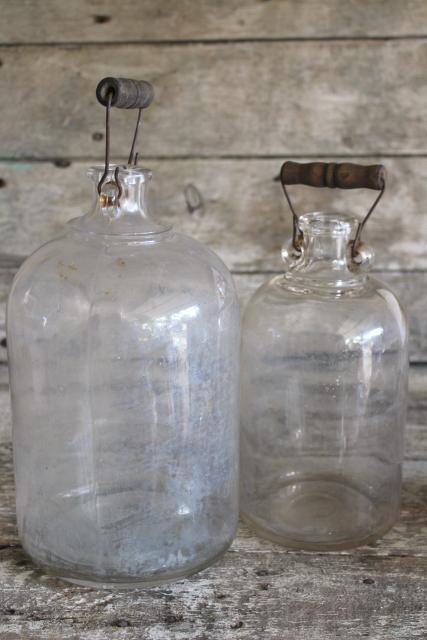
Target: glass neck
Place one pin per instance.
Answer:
(326, 250)
(121, 208)
(325, 260)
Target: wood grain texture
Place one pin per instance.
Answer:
(244, 215)
(279, 98)
(279, 596)
(274, 595)
(236, 97)
(47, 21)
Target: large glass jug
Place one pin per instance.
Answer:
(123, 341)
(324, 383)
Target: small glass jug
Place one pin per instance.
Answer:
(123, 340)
(324, 383)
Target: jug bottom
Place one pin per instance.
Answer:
(321, 514)
(142, 582)
(130, 582)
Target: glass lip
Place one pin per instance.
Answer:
(327, 223)
(125, 171)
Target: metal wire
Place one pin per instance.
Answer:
(107, 153)
(118, 183)
(296, 231)
(107, 142)
(133, 157)
(135, 137)
(361, 225)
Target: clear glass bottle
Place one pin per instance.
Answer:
(123, 341)
(324, 385)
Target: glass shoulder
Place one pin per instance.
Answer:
(281, 289)
(42, 257)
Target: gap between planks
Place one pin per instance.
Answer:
(342, 157)
(212, 41)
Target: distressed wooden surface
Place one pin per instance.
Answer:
(50, 21)
(274, 595)
(258, 98)
(257, 590)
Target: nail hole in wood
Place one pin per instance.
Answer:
(120, 622)
(261, 572)
(101, 19)
(3, 343)
(22, 563)
(62, 163)
(3, 183)
(97, 136)
(236, 625)
(172, 618)
(368, 581)
(193, 198)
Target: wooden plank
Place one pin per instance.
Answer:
(274, 595)
(109, 21)
(244, 216)
(257, 98)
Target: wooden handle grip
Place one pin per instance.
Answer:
(126, 93)
(332, 175)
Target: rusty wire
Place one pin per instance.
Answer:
(133, 160)
(361, 225)
(107, 153)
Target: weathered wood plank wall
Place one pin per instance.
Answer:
(241, 85)
(50, 21)
(344, 97)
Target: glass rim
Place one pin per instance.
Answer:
(124, 170)
(327, 223)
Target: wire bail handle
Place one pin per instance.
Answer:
(330, 174)
(123, 93)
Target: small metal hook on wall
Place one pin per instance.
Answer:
(123, 93)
